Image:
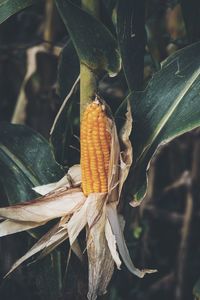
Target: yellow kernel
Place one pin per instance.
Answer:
(95, 149)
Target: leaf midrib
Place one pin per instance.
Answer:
(20, 165)
(170, 112)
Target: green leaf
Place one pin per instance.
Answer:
(67, 120)
(167, 108)
(11, 7)
(47, 276)
(110, 4)
(68, 69)
(131, 38)
(95, 45)
(65, 128)
(106, 17)
(191, 14)
(196, 290)
(26, 160)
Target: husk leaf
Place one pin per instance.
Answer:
(101, 264)
(43, 209)
(123, 250)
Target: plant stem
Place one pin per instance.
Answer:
(49, 23)
(88, 86)
(88, 80)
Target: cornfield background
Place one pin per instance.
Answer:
(161, 233)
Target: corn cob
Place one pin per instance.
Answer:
(95, 149)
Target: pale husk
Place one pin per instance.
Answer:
(113, 175)
(43, 209)
(70, 180)
(101, 264)
(8, 227)
(53, 237)
(77, 222)
(126, 156)
(112, 244)
(123, 250)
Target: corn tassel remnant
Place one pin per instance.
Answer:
(95, 149)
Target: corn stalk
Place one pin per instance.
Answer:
(88, 80)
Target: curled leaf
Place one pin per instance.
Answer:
(50, 187)
(126, 157)
(113, 175)
(123, 250)
(112, 244)
(167, 108)
(74, 174)
(71, 179)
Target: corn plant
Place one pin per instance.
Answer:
(117, 142)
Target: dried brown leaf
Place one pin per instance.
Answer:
(101, 264)
(77, 222)
(9, 226)
(113, 175)
(71, 179)
(43, 209)
(112, 244)
(55, 236)
(74, 175)
(77, 250)
(123, 250)
(126, 156)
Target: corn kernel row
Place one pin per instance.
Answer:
(95, 149)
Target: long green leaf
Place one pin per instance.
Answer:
(191, 14)
(64, 127)
(26, 160)
(167, 108)
(11, 7)
(47, 276)
(196, 290)
(95, 45)
(68, 69)
(131, 38)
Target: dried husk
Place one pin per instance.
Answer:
(8, 227)
(123, 250)
(54, 205)
(101, 264)
(70, 180)
(112, 244)
(53, 237)
(126, 156)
